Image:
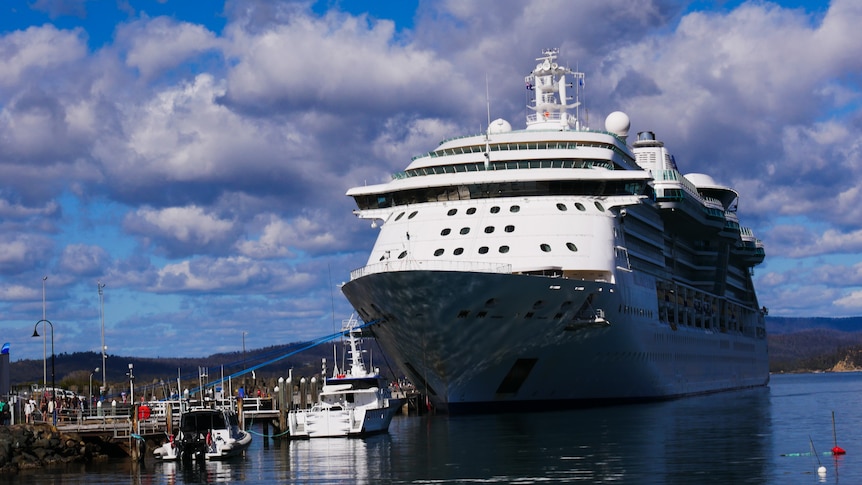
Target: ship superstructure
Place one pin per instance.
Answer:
(557, 265)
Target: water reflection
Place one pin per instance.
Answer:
(339, 460)
(198, 471)
(684, 441)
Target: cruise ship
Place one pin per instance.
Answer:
(559, 266)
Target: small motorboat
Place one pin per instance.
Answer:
(205, 434)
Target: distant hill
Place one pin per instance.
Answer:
(784, 325)
(814, 344)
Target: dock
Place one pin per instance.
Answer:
(136, 428)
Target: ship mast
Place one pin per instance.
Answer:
(549, 82)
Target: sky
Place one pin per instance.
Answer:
(193, 156)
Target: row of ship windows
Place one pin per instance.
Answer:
(485, 249)
(515, 208)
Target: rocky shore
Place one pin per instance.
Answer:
(29, 446)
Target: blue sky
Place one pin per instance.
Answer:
(194, 156)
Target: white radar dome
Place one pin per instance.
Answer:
(701, 180)
(618, 123)
(499, 126)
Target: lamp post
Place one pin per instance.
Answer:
(44, 340)
(90, 398)
(53, 387)
(131, 385)
(102, 314)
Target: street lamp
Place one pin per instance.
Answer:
(53, 386)
(102, 314)
(131, 385)
(90, 398)
(44, 340)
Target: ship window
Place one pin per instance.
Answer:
(402, 255)
(571, 247)
(399, 216)
(452, 212)
(580, 206)
(528, 315)
(491, 302)
(483, 250)
(489, 229)
(465, 230)
(482, 314)
(538, 304)
(463, 313)
(412, 214)
(510, 228)
(562, 207)
(515, 208)
(599, 206)
(504, 249)
(471, 210)
(445, 232)
(495, 209)
(438, 252)
(545, 247)
(458, 251)
(382, 256)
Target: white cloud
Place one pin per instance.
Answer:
(29, 55)
(191, 226)
(162, 43)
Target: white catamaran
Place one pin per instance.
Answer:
(557, 265)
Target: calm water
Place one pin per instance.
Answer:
(736, 437)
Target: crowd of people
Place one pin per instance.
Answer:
(45, 408)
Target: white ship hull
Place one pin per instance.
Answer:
(507, 360)
(334, 423)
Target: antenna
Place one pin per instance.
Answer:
(488, 126)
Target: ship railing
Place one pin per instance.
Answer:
(428, 265)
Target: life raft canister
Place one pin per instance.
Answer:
(143, 412)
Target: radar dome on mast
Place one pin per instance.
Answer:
(499, 126)
(618, 123)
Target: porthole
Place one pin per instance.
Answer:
(402, 255)
(382, 257)
(489, 229)
(471, 210)
(399, 216)
(572, 247)
(562, 207)
(599, 206)
(515, 208)
(504, 249)
(452, 212)
(483, 250)
(510, 228)
(412, 214)
(445, 232)
(545, 248)
(458, 251)
(495, 209)
(438, 252)
(465, 230)
(580, 206)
